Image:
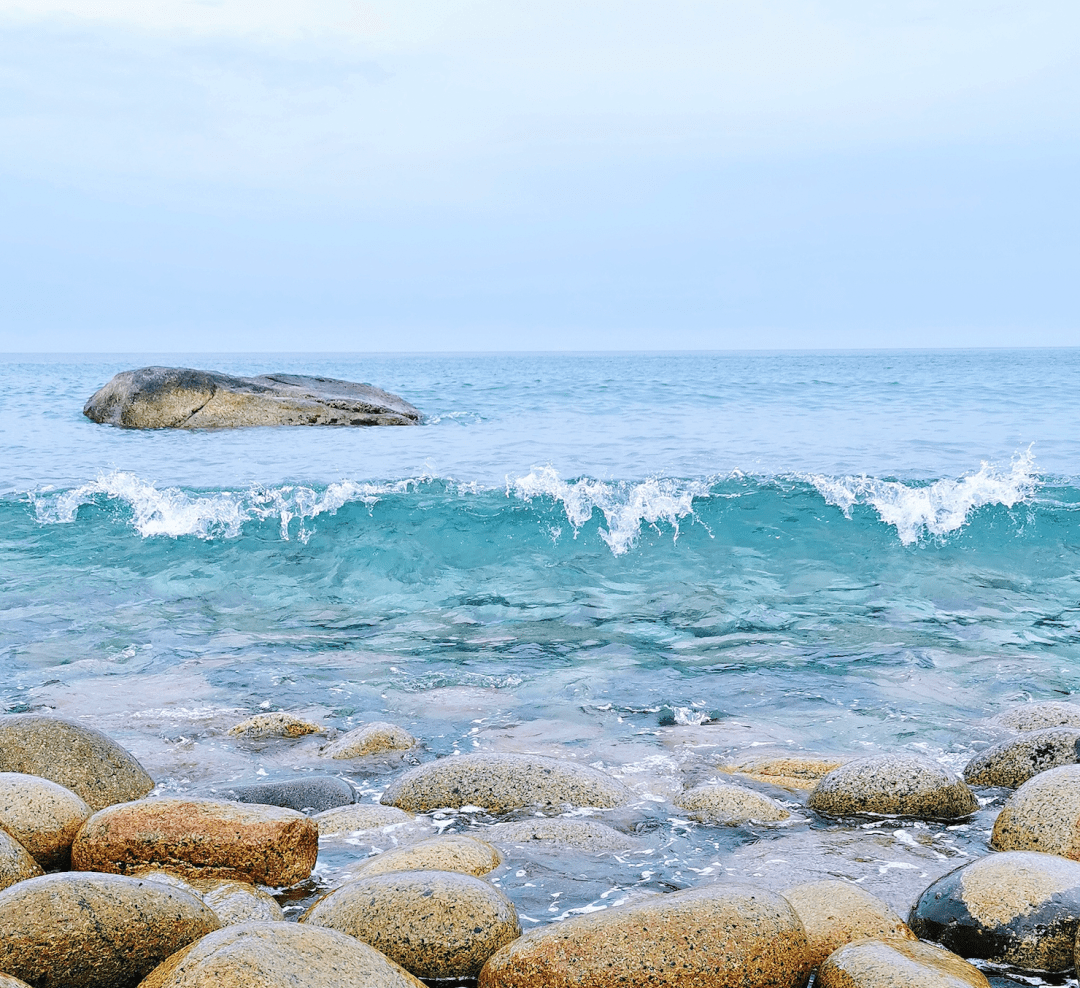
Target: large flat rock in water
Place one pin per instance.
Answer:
(181, 398)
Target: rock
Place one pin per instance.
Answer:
(315, 793)
(359, 816)
(1042, 815)
(42, 816)
(1036, 716)
(199, 838)
(502, 782)
(1018, 907)
(166, 878)
(1011, 763)
(834, 913)
(792, 772)
(279, 955)
(585, 835)
(897, 964)
(371, 739)
(7, 981)
(893, 785)
(729, 805)
(16, 862)
(435, 924)
(238, 902)
(87, 762)
(98, 931)
(718, 936)
(181, 398)
(452, 852)
(277, 724)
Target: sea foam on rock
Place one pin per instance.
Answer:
(729, 805)
(276, 724)
(1011, 763)
(897, 964)
(42, 816)
(1042, 815)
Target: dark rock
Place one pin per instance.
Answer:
(307, 792)
(1011, 763)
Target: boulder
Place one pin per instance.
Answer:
(370, 739)
(729, 805)
(834, 913)
(718, 936)
(435, 924)
(1011, 763)
(359, 816)
(452, 852)
(75, 756)
(42, 816)
(279, 955)
(200, 839)
(276, 724)
(7, 981)
(897, 964)
(893, 785)
(584, 835)
(16, 862)
(238, 902)
(1018, 907)
(314, 793)
(95, 931)
(502, 782)
(1036, 716)
(182, 398)
(788, 772)
(1042, 815)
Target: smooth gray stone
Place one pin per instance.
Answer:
(310, 792)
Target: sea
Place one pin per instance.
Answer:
(655, 563)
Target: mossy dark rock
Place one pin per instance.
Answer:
(897, 964)
(1042, 815)
(1011, 763)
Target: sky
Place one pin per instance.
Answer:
(260, 175)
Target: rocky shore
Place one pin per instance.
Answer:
(107, 879)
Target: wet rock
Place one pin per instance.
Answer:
(371, 739)
(1018, 907)
(435, 924)
(166, 878)
(1036, 716)
(238, 902)
(585, 835)
(7, 981)
(79, 758)
(42, 816)
(276, 724)
(200, 839)
(729, 805)
(16, 862)
(719, 936)
(279, 955)
(897, 964)
(182, 398)
(1042, 815)
(893, 785)
(788, 772)
(452, 852)
(359, 816)
(834, 913)
(314, 793)
(1011, 763)
(98, 931)
(502, 782)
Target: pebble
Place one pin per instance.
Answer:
(1042, 815)
(897, 964)
(75, 756)
(197, 838)
(16, 862)
(314, 793)
(1035, 716)
(435, 924)
(1011, 763)
(730, 805)
(357, 817)
(277, 724)
(370, 739)
(584, 835)
(42, 816)
(451, 852)
(238, 902)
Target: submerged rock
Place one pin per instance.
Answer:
(786, 771)
(451, 852)
(897, 964)
(1042, 815)
(182, 398)
(276, 724)
(359, 816)
(1036, 716)
(1011, 763)
(584, 835)
(730, 805)
(371, 739)
(42, 816)
(16, 862)
(315, 793)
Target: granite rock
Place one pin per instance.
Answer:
(584, 835)
(370, 739)
(1036, 716)
(897, 964)
(276, 724)
(359, 816)
(787, 771)
(7, 981)
(42, 816)
(1042, 815)
(16, 862)
(449, 852)
(1011, 763)
(314, 793)
(729, 805)
(238, 902)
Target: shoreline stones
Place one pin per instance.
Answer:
(370, 739)
(897, 964)
(450, 852)
(315, 793)
(276, 724)
(1011, 763)
(1042, 815)
(42, 816)
(584, 835)
(893, 785)
(262, 845)
(1036, 716)
(787, 771)
(238, 902)
(359, 816)
(730, 805)
(16, 862)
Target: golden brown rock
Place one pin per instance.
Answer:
(897, 964)
(371, 739)
(1011, 763)
(788, 772)
(452, 852)
(200, 838)
(42, 816)
(276, 724)
(730, 805)
(1042, 815)
(238, 902)
(16, 862)
(359, 816)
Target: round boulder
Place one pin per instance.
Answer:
(371, 739)
(359, 816)
(1036, 716)
(87, 762)
(7, 981)
(435, 924)
(279, 955)
(42, 816)
(313, 793)
(730, 805)
(452, 852)
(720, 936)
(16, 862)
(1042, 815)
(584, 835)
(897, 964)
(893, 785)
(503, 782)
(276, 724)
(1011, 763)
(238, 902)
(85, 931)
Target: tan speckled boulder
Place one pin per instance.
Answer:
(585, 835)
(788, 772)
(451, 852)
(1013, 762)
(42, 816)
(16, 862)
(729, 805)
(75, 756)
(370, 739)
(502, 782)
(1042, 815)
(95, 931)
(834, 913)
(7, 981)
(359, 816)
(1036, 716)
(719, 936)
(238, 902)
(897, 964)
(435, 924)
(893, 785)
(276, 724)
(279, 955)
(200, 838)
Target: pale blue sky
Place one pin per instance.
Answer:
(335, 175)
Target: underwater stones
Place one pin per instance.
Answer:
(16, 862)
(238, 902)
(893, 785)
(788, 771)
(719, 936)
(1017, 907)
(308, 792)
(502, 782)
(584, 835)
(182, 398)
(276, 724)
(370, 739)
(97, 931)
(834, 913)
(359, 816)
(452, 852)
(1042, 815)
(199, 838)
(1036, 716)
(279, 955)
(897, 964)
(42, 816)
(1011, 763)
(79, 758)
(730, 805)
(435, 924)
